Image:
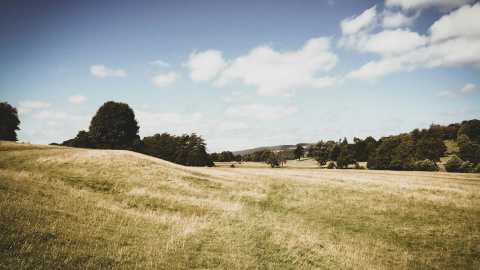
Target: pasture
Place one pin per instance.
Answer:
(63, 207)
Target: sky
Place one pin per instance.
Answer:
(242, 74)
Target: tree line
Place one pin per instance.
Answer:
(114, 127)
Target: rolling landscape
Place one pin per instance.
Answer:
(314, 134)
(64, 207)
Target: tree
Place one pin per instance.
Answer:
(8, 122)
(273, 160)
(82, 140)
(346, 157)
(298, 153)
(114, 127)
(468, 150)
(454, 164)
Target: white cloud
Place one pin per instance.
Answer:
(354, 24)
(281, 74)
(261, 112)
(152, 122)
(77, 99)
(421, 4)
(102, 71)
(160, 63)
(394, 42)
(232, 125)
(397, 19)
(463, 22)
(447, 47)
(205, 66)
(165, 80)
(467, 89)
(54, 124)
(29, 105)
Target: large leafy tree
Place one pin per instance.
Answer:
(114, 127)
(8, 122)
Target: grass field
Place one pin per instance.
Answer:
(76, 208)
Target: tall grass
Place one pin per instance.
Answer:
(75, 208)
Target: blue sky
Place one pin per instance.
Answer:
(242, 74)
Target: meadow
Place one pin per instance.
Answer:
(76, 208)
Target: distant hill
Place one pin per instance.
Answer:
(271, 148)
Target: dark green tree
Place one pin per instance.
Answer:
(114, 127)
(299, 151)
(454, 164)
(346, 157)
(9, 122)
(82, 140)
(468, 149)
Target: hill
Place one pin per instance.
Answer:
(271, 148)
(77, 208)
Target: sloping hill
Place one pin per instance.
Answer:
(66, 208)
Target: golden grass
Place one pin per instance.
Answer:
(76, 208)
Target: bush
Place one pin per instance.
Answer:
(331, 165)
(454, 164)
(477, 169)
(427, 165)
(358, 167)
(466, 167)
(232, 165)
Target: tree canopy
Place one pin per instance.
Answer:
(9, 122)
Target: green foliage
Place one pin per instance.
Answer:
(346, 157)
(9, 122)
(426, 165)
(114, 127)
(471, 129)
(468, 149)
(454, 164)
(82, 140)
(467, 167)
(273, 160)
(331, 165)
(188, 150)
(320, 153)
(299, 151)
(359, 167)
(226, 156)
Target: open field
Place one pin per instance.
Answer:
(76, 208)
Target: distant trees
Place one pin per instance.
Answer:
(276, 159)
(9, 122)
(188, 150)
(298, 152)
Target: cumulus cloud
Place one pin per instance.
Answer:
(261, 112)
(467, 89)
(232, 125)
(164, 81)
(160, 63)
(236, 96)
(447, 45)
(29, 105)
(354, 24)
(396, 41)
(397, 19)
(422, 4)
(464, 23)
(78, 99)
(280, 74)
(205, 66)
(102, 71)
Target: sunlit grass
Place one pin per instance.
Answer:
(89, 209)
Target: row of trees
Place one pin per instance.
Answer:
(114, 127)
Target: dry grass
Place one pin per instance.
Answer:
(89, 209)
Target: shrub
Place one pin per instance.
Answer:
(477, 169)
(466, 167)
(331, 165)
(454, 164)
(232, 165)
(427, 165)
(359, 167)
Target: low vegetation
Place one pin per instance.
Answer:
(70, 208)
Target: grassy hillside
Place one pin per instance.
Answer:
(89, 209)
